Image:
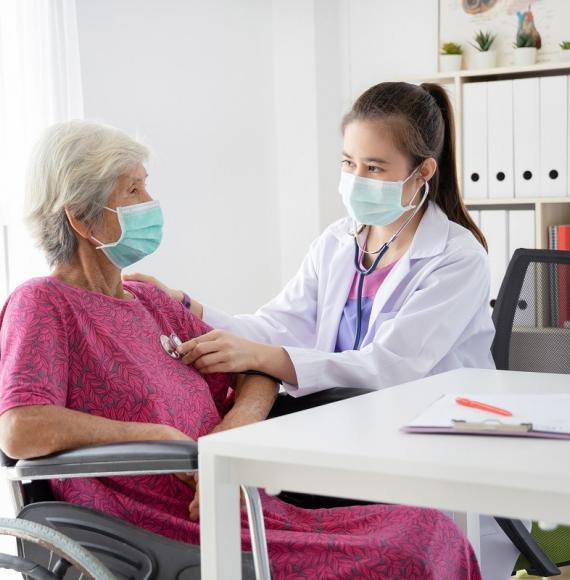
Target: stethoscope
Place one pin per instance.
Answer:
(363, 272)
(171, 342)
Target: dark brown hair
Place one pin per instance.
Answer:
(422, 125)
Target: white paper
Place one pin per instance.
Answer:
(550, 413)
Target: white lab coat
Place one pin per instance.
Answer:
(430, 315)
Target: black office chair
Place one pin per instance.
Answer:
(58, 540)
(532, 322)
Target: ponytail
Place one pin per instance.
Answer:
(425, 129)
(444, 183)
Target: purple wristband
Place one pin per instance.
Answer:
(186, 302)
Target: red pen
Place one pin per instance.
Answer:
(482, 406)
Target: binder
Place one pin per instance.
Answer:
(521, 234)
(563, 240)
(494, 225)
(545, 416)
(553, 136)
(475, 140)
(526, 137)
(500, 137)
(553, 279)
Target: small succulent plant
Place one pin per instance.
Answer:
(525, 40)
(451, 48)
(484, 41)
(565, 45)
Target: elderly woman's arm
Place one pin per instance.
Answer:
(37, 430)
(254, 398)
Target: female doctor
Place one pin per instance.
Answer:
(396, 291)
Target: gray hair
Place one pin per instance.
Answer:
(75, 165)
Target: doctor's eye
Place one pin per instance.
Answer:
(374, 169)
(347, 163)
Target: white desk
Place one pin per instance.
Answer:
(355, 449)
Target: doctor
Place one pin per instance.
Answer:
(396, 291)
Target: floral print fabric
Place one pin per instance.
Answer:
(62, 345)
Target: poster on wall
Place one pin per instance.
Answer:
(461, 20)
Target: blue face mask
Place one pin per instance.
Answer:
(141, 233)
(373, 202)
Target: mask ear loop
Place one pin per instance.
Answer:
(101, 244)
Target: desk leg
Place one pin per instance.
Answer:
(469, 524)
(220, 542)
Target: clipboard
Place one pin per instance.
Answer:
(543, 416)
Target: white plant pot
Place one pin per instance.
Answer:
(565, 55)
(486, 59)
(450, 62)
(525, 56)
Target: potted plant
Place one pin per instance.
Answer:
(451, 55)
(484, 57)
(525, 49)
(565, 50)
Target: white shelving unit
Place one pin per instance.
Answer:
(548, 210)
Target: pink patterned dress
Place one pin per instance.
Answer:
(61, 345)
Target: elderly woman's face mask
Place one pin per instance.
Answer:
(141, 233)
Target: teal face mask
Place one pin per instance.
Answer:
(373, 202)
(141, 233)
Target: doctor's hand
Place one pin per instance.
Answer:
(195, 307)
(137, 277)
(219, 351)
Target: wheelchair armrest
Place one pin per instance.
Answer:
(132, 458)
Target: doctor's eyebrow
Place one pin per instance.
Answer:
(369, 159)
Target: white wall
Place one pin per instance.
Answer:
(195, 81)
(388, 40)
(308, 107)
(241, 103)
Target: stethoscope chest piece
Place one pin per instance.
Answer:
(169, 345)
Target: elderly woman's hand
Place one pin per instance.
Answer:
(219, 351)
(194, 507)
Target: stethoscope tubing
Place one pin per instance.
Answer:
(363, 272)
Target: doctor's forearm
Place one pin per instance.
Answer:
(275, 361)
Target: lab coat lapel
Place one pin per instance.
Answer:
(396, 275)
(430, 240)
(339, 281)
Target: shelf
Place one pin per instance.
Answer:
(544, 67)
(516, 200)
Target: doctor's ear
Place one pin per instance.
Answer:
(427, 169)
(79, 227)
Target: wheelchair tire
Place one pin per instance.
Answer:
(58, 543)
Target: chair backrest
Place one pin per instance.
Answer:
(532, 313)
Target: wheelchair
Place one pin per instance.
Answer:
(57, 540)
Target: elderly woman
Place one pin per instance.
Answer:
(82, 363)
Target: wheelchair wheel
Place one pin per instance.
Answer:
(67, 554)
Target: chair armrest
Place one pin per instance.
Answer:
(132, 458)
